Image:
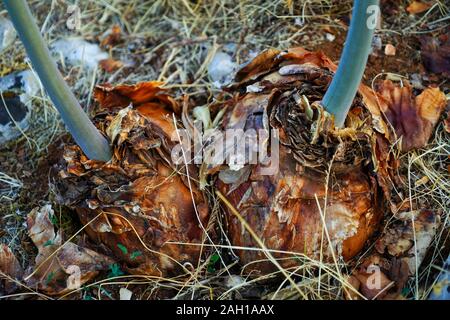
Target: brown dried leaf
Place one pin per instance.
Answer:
(57, 263)
(374, 104)
(113, 37)
(354, 283)
(9, 266)
(263, 62)
(114, 97)
(435, 53)
(110, 65)
(368, 283)
(418, 7)
(398, 239)
(413, 118)
(399, 252)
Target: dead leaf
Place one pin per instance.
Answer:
(398, 239)
(355, 284)
(435, 52)
(110, 65)
(120, 96)
(368, 283)
(262, 63)
(59, 267)
(113, 37)
(9, 267)
(413, 118)
(397, 254)
(416, 7)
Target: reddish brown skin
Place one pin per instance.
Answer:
(283, 209)
(181, 225)
(353, 189)
(137, 203)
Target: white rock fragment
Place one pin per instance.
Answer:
(125, 294)
(253, 88)
(299, 22)
(15, 110)
(330, 37)
(77, 51)
(24, 83)
(14, 118)
(221, 69)
(7, 33)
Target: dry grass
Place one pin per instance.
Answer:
(174, 41)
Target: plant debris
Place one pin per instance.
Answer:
(435, 53)
(60, 267)
(412, 117)
(416, 7)
(10, 269)
(397, 255)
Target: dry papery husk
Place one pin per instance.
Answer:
(140, 201)
(325, 173)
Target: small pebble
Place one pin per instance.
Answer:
(125, 294)
(330, 37)
(389, 50)
(77, 51)
(221, 69)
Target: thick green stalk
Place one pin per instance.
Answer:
(339, 96)
(90, 140)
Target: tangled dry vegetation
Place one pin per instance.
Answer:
(174, 41)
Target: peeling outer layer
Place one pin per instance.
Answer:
(283, 90)
(139, 201)
(396, 256)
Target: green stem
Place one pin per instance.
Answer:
(90, 140)
(339, 96)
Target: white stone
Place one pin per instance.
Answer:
(125, 294)
(221, 69)
(77, 51)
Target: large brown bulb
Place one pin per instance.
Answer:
(324, 173)
(140, 201)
